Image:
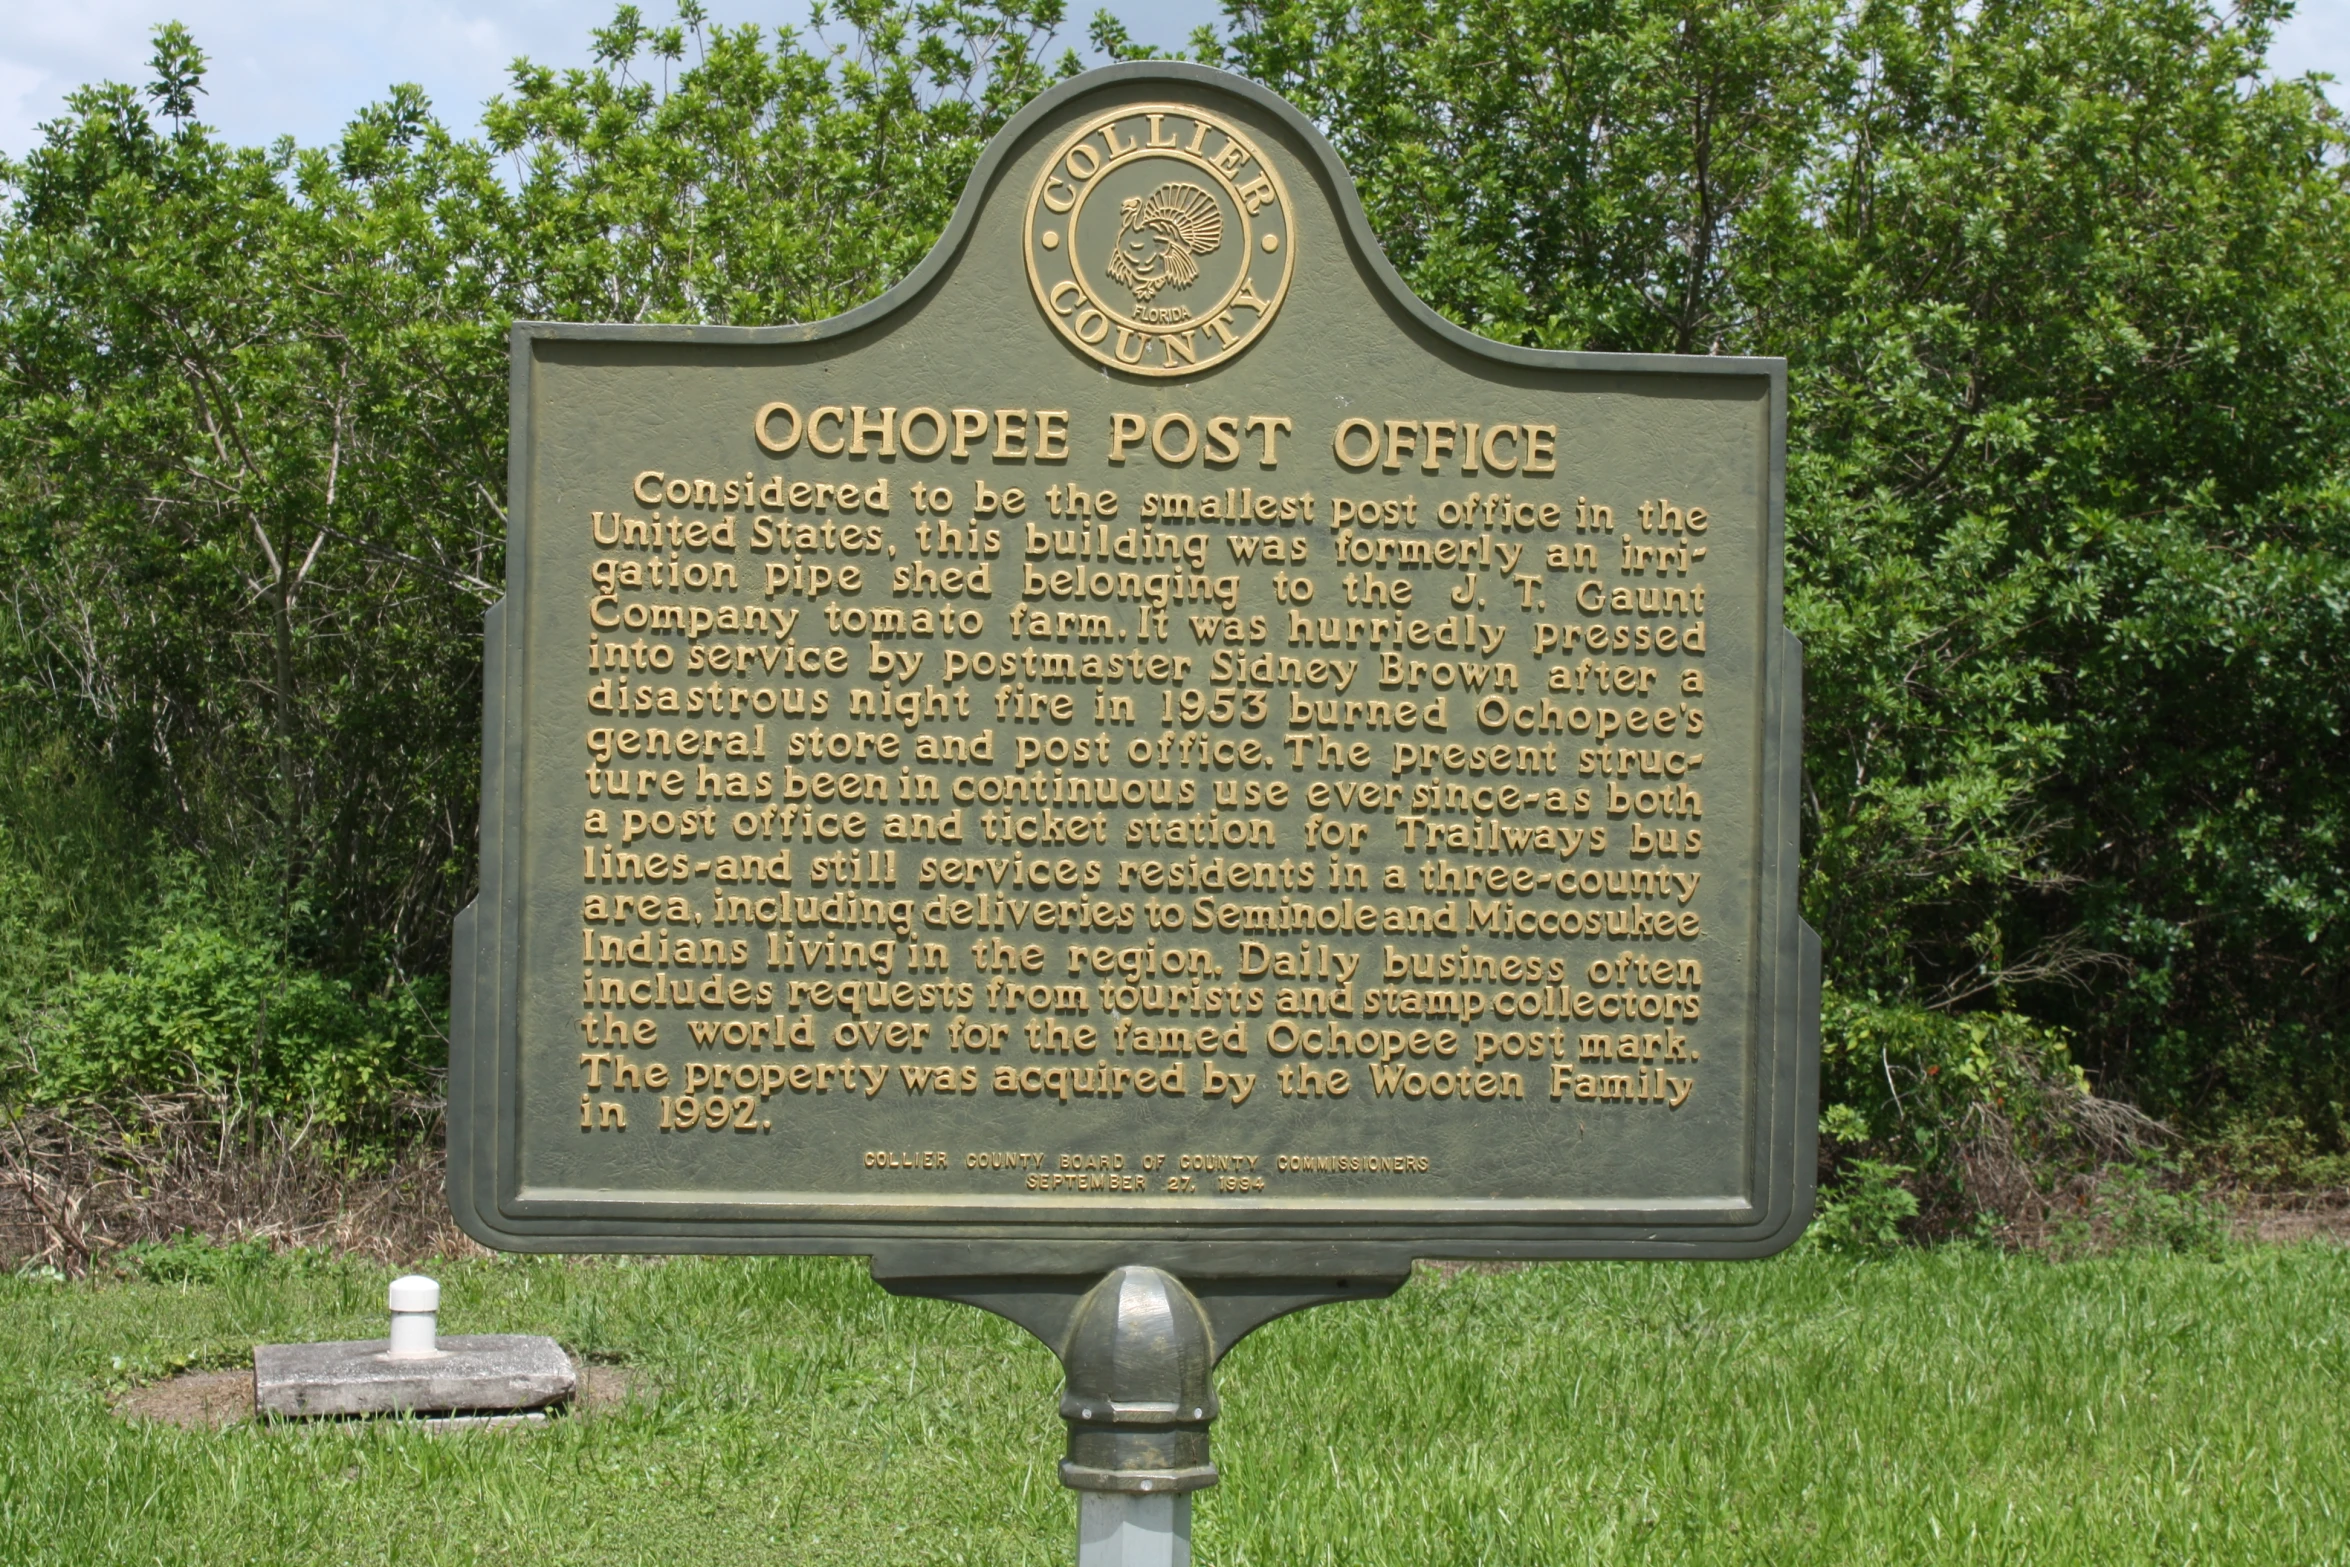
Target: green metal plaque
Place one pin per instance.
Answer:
(1141, 745)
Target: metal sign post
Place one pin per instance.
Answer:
(1141, 781)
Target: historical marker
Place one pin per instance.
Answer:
(1139, 778)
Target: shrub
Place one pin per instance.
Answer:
(199, 1007)
(1863, 1217)
(2146, 1205)
(1985, 1113)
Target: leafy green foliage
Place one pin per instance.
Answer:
(2271, 1152)
(2061, 289)
(1914, 1082)
(1569, 173)
(200, 1006)
(1989, 1123)
(2072, 539)
(766, 182)
(1864, 1216)
(2145, 1206)
(250, 411)
(252, 454)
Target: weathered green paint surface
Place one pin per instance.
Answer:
(1692, 1137)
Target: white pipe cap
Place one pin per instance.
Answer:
(415, 1292)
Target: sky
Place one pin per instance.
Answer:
(302, 67)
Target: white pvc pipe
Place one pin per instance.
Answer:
(1120, 1529)
(416, 1305)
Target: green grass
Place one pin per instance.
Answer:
(1956, 1406)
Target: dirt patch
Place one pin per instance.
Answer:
(609, 1389)
(197, 1400)
(1449, 1269)
(2289, 1218)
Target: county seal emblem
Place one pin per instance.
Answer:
(1160, 240)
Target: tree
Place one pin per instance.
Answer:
(764, 184)
(250, 413)
(2062, 289)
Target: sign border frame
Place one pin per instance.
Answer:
(484, 1046)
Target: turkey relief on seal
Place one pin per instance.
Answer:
(1161, 238)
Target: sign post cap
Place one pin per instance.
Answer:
(415, 1292)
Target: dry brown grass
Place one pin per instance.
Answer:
(75, 1189)
(2290, 1218)
(2050, 1172)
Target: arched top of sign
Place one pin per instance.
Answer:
(1178, 89)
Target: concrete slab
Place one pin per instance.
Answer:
(444, 1425)
(413, 1424)
(435, 1425)
(470, 1374)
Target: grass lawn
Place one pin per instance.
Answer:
(1957, 1406)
